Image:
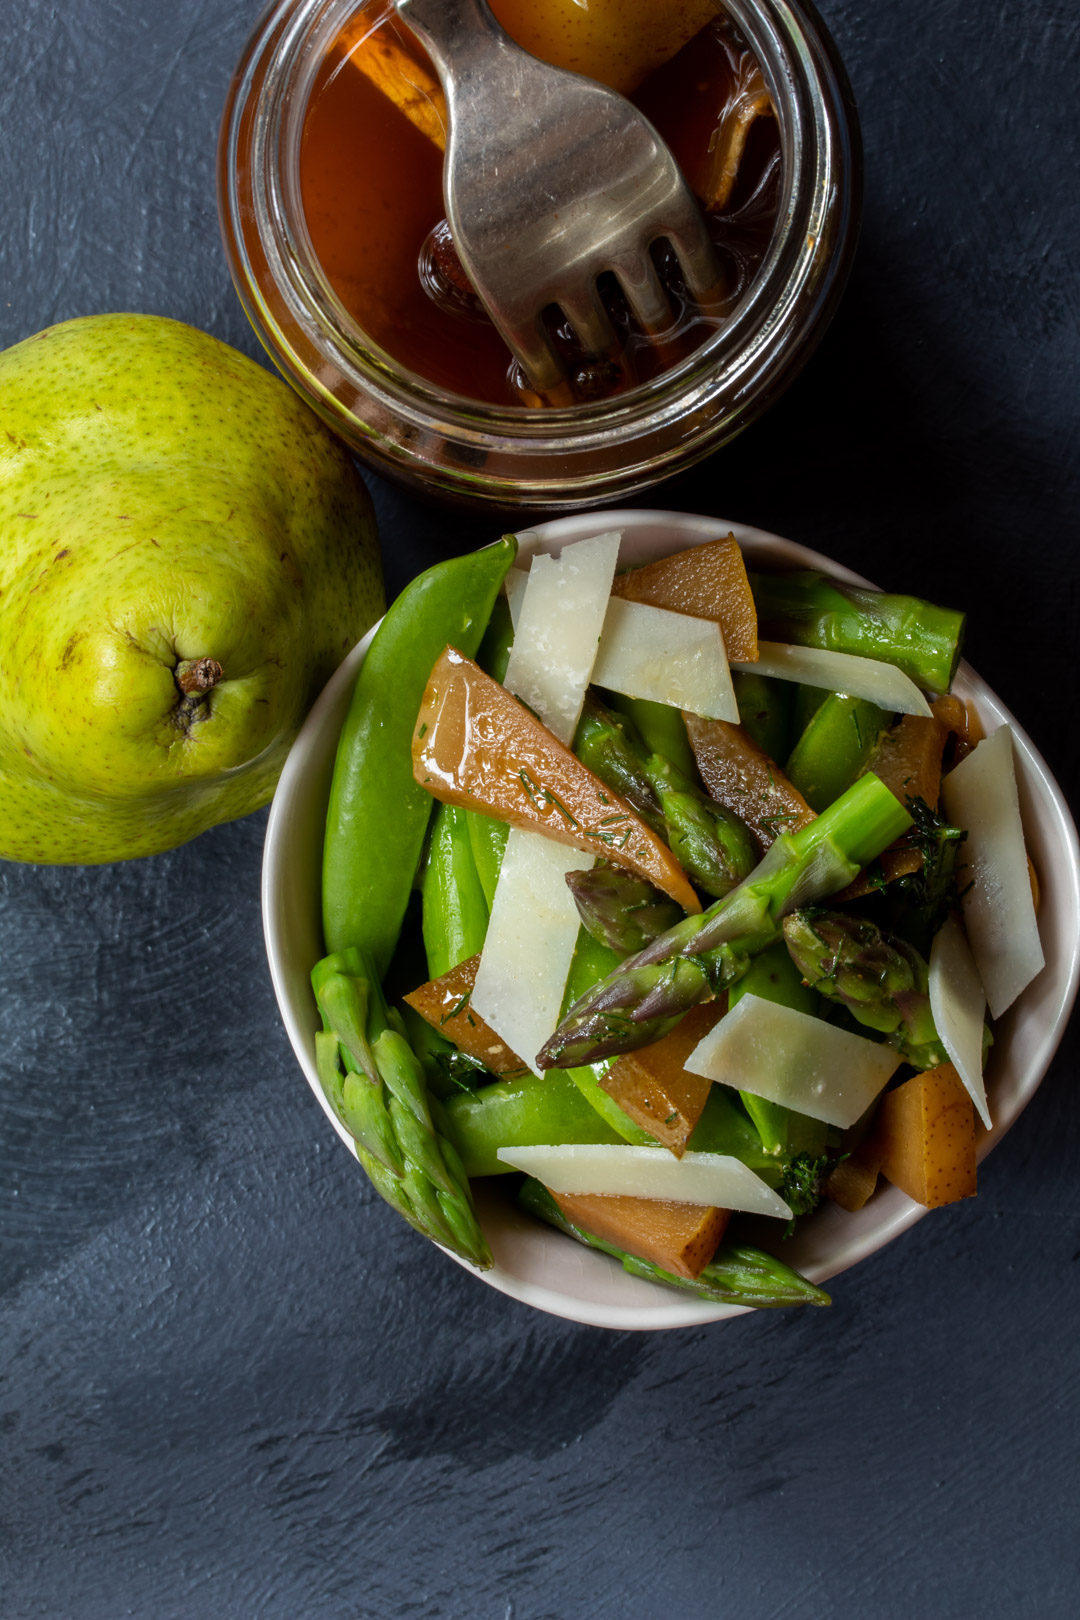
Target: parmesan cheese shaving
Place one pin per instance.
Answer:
(711, 1179)
(558, 630)
(980, 795)
(796, 1060)
(868, 678)
(958, 1003)
(530, 942)
(651, 652)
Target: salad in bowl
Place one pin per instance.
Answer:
(666, 918)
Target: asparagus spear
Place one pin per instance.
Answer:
(620, 910)
(812, 610)
(660, 728)
(647, 994)
(736, 1275)
(610, 746)
(375, 1083)
(880, 979)
(710, 842)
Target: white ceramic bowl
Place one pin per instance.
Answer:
(532, 1262)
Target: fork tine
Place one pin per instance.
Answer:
(590, 320)
(644, 292)
(530, 345)
(691, 245)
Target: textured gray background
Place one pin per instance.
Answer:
(230, 1383)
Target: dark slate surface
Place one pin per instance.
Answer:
(231, 1383)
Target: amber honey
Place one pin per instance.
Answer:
(371, 184)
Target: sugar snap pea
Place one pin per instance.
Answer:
(834, 746)
(591, 961)
(456, 913)
(525, 1110)
(765, 707)
(378, 815)
(488, 839)
(494, 651)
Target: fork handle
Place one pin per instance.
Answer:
(450, 30)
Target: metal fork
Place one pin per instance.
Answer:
(551, 180)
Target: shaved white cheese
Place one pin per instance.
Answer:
(558, 630)
(794, 1059)
(868, 678)
(958, 1003)
(999, 913)
(711, 1179)
(521, 976)
(651, 652)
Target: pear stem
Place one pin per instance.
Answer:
(194, 677)
(197, 675)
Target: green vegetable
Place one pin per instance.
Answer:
(375, 1083)
(610, 745)
(725, 1127)
(881, 979)
(494, 651)
(802, 1183)
(834, 747)
(660, 728)
(525, 1110)
(647, 995)
(917, 904)
(447, 1069)
(765, 710)
(710, 842)
(619, 910)
(786, 1149)
(805, 703)
(811, 610)
(378, 815)
(488, 839)
(455, 912)
(736, 1275)
(590, 962)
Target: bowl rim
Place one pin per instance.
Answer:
(647, 1306)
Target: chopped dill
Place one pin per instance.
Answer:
(543, 798)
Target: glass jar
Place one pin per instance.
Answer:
(580, 455)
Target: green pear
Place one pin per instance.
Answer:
(186, 554)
